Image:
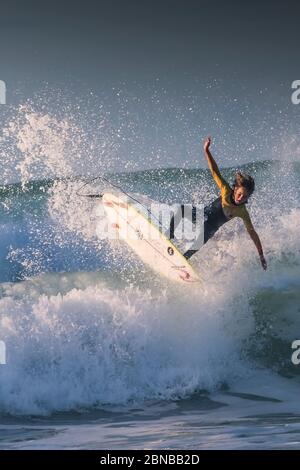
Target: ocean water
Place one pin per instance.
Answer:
(101, 353)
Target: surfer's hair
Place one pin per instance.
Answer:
(245, 181)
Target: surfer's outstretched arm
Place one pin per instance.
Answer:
(212, 165)
(256, 240)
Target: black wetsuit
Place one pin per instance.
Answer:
(218, 212)
(214, 218)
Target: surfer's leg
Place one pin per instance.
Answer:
(208, 233)
(189, 253)
(176, 219)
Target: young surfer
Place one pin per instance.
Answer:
(230, 204)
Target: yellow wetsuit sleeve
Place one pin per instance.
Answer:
(219, 180)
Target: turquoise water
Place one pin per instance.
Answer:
(102, 353)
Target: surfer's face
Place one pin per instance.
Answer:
(240, 195)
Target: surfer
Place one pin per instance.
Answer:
(230, 204)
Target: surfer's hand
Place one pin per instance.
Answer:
(207, 143)
(263, 262)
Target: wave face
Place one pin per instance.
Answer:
(86, 324)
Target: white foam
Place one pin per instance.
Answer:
(97, 345)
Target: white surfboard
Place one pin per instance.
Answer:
(130, 224)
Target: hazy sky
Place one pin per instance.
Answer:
(131, 38)
(223, 54)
